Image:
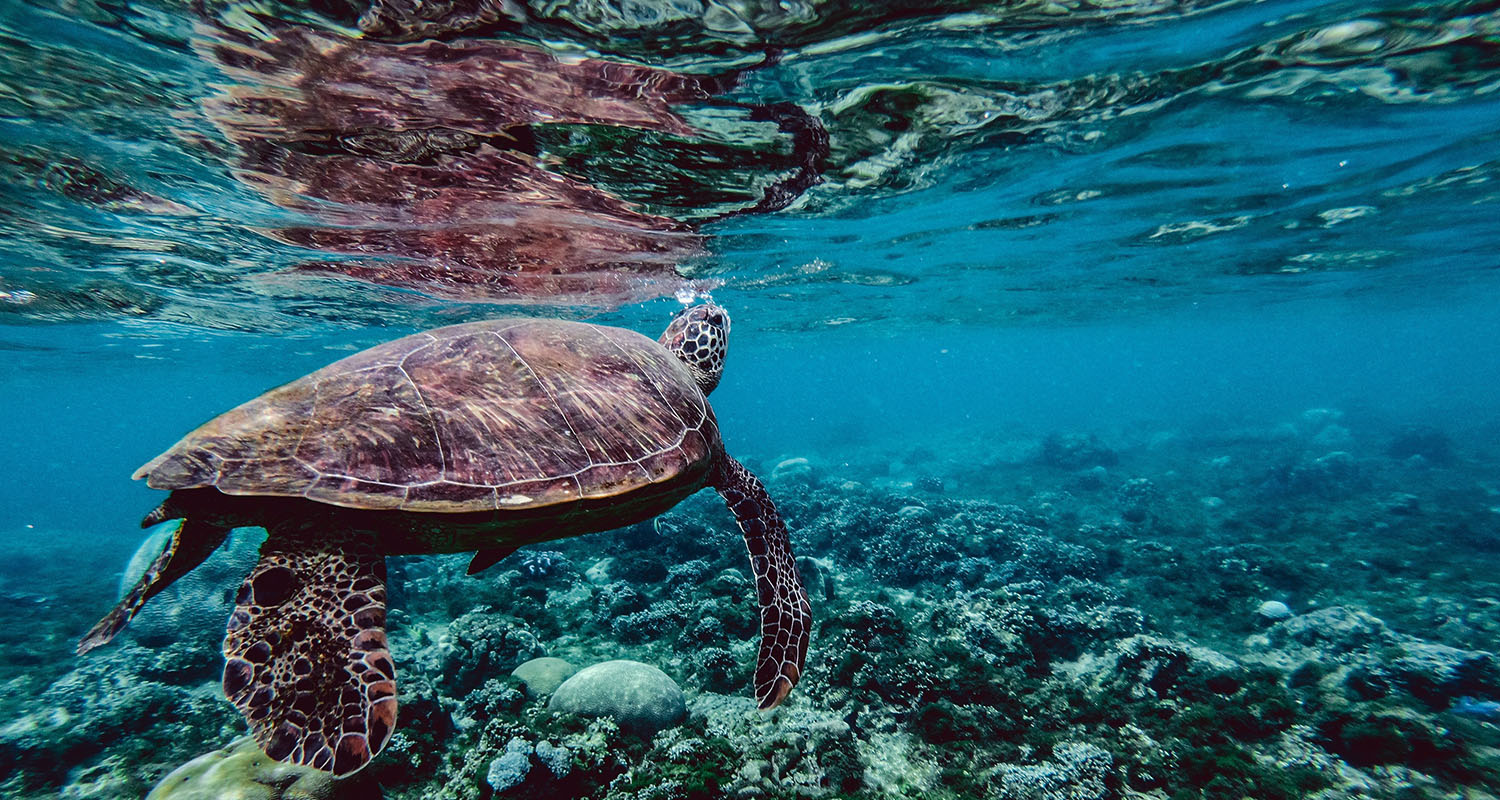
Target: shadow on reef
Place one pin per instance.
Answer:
(1152, 612)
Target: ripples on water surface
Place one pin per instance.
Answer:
(264, 167)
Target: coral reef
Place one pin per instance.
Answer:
(1300, 609)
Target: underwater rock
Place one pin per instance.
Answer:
(616, 600)
(1371, 738)
(240, 771)
(909, 547)
(102, 701)
(1333, 436)
(1333, 630)
(558, 760)
(509, 770)
(930, 483)
(1438, 674)
(1037, 625)
(1273, 610)
(1077, 451)
(1137, 498)
(638, 696)
(1332, 476)
(661, 618)
(1364, 657)
(1031, 556)
(715, 669)
(707, 630)
(731, 582)
(865, 660)
(1422, 441)
(799, 469)
(1089, 480)
(476, 646)
(1401, 504)
(494, 697)
(684, 578)
(543, 675)
(1316, 419)
(969, 571)
(812, 752)
(915, 515)
(1146, 666)
(1076, 771)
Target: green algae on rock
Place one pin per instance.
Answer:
(543, 675)
(240, 771)
(639, 696)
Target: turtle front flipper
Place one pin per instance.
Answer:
(306, 659)
(191, 543)
(785, 614)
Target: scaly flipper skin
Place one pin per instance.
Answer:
(306, 658)
(192, 542)
(785, 614)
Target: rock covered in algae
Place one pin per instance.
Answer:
(543, 675)
(1076, 771)
(511, 768)
(638, 696)
(240, 771)
(1274, 610)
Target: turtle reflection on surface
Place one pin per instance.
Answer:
(419, 165)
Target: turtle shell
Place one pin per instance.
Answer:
(495, 415)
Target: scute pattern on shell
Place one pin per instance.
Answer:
(489, 415)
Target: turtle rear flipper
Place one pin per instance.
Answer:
(306, 659)
(785, 614)
(192, 542)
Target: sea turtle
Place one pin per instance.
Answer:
(485, 436)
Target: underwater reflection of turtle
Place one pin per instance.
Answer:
(469, 169)
(484, 436)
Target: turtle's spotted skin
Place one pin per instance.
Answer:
(701, 347)
(485, 436)
(308, 633)
(784, 610)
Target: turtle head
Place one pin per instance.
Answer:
(699, 335)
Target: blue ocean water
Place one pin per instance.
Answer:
(1210, 280)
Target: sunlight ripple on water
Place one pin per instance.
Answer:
(264, 167)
